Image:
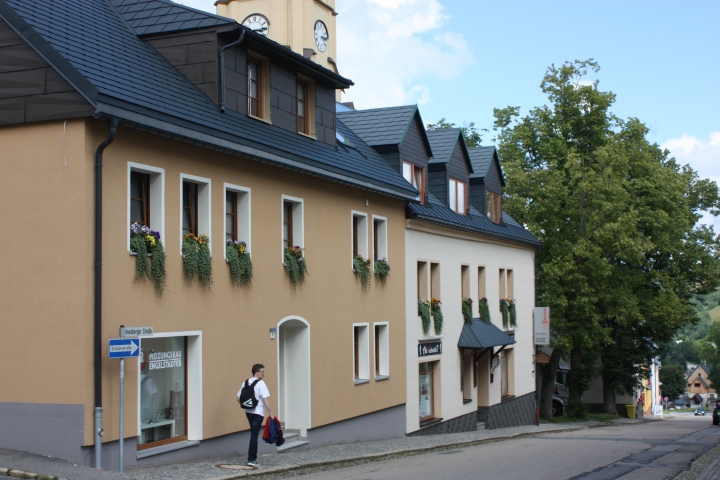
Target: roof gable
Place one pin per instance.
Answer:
(159, 16)
(381, 126)
(482, 159)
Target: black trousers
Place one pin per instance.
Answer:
(255, 424)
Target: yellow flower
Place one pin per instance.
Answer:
(150, 239)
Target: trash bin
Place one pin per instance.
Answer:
(630, 411)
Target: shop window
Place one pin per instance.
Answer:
(380, 249)
(258, 77)
(146, 197)
(416, 176)
(163, 391)
(382, 364)
(361, 347)
(466, 374)
(493, 207)
(426, 384)
(457, 196)
(195, 215)
(237, 214)
(359, 228)
(292, 223)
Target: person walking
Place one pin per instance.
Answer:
(253, 398)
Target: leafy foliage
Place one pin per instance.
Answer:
(484, 310)
(144, 241)
(382, 270)
(673, 381)
(509, 315)
(238, 258)
(295, 266)
(424, 312)
(437, 315)
(470, 132)
(467, 310)
(711, 354)
(196, 259)
(622, 253)
(361, 267)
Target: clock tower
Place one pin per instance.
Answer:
(306, 26)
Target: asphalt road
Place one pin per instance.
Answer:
(653, 450)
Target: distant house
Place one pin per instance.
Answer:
(698, 385)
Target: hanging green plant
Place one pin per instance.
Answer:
(295, 266)
(467, 310)
(361, 267)
(144, 241)
(435, 305)
(424, 312)
(238, 258)
(509, 316)
(382, 270)
(512, 312)
(484, 310)
(196, 259)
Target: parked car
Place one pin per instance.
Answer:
(716, 414)
(699, 412)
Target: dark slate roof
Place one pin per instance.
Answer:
(436, 212)
(380, 126)
(442, 142)
(483, 335)
(158, 16)
(481, 158)
(123, 76)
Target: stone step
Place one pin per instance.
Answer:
(294, 445)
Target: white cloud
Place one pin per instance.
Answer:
(394, 50)
(703, 156)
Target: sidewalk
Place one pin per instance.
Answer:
(351, 453)
(235, 466)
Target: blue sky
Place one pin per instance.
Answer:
(459, 59)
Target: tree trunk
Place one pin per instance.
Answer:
(609, 396)
(574, 407)
(548, 373)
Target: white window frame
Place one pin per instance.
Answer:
(194, 382)
(384, 345)
(157, 198)
(204, 206)
(244, 211)
(363, 353)
(382, 238)
(362, 235)
(298, 212)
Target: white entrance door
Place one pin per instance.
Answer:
(294, 375)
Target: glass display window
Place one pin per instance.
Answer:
(426, 390)
(163, 391)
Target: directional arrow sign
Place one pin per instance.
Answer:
(124, 348)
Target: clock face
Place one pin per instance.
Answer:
(321, 35)
(257, 23)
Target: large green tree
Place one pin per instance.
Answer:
(621, 255)
(673, 381)
(710, 352)
(470, 132)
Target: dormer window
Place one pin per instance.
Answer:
(302, 121)
(258, 86)
(416, 176)
(493, 207)
(457, 196)
(305, 97)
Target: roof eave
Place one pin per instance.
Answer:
(455, 226)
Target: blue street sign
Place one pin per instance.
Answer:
(124, 348)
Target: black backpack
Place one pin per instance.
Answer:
(247, 395)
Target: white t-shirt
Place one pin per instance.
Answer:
(261, 391)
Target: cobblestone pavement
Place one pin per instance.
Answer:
(208, 469)
(706, 467)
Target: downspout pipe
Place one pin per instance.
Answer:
(222, 68)
(112, 124)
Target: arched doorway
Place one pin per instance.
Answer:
(294, 373)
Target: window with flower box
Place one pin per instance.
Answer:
(195, 204)
(292, 222)
(237, 214)
(146, 197)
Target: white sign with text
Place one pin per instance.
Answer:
(541, 317)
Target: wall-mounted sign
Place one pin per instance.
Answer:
(431, 348)
(541, 316)
(136, 331)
